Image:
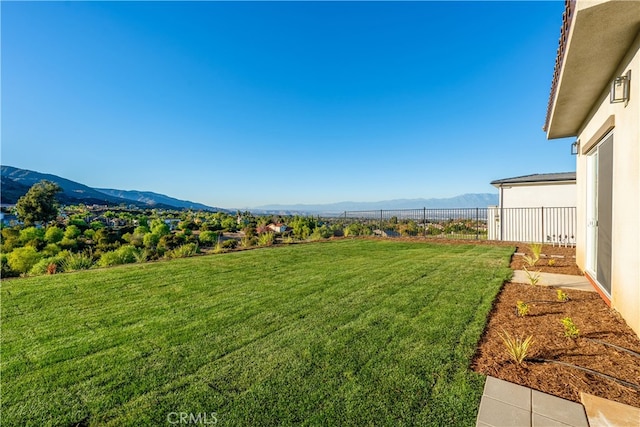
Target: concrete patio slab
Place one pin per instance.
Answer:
(493, 412)
(509, 393)
(512, 405)
(558, 409)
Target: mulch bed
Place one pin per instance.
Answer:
(589, 313)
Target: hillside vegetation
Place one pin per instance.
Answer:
(349, 332)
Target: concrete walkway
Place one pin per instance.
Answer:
(551, 279)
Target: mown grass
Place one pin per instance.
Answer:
(352, 332)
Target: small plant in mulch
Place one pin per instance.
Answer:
(517, 347)
(522, 308)
(536, 252)
(561, 295)
(551, 262)
(533, 277)
(570, 328)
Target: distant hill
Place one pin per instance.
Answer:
(16, 182)
(150, 199)
(472, 200)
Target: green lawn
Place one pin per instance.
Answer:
(351, 332)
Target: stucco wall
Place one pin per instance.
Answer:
(537, 195)
(625, 280)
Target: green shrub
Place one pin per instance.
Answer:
(72, 232)
(30, 234)
(151, 240)
(357, 229)
(320, 233)
(248, 241)
(266, 239)
(21, 260)
(184, 251)
(95, 225)
(53, 235)
(67, 243)
(230, 244)
(10, 239)
(125, 254)
(76, 261)
(49, 265)
(50, 250)
(208, 238)
(5, 270)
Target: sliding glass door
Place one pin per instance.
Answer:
(599, 212)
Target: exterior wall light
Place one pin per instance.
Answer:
(620, 89)
(575, 147)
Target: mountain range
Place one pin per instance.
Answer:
(16, 182)
(471, 200)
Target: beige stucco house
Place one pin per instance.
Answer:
(534, 208)
(537, 190)
(595, 97)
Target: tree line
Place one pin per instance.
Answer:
(49, 238)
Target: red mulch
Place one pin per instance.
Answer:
(589, 313)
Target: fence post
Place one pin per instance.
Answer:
(424, 222)
(477, 225)
(380, 220)
(541, 224)
(501, 222)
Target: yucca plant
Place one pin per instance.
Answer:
(536, 252)
(183, 251)
(534, 277)
(77, 261)
(517, 347)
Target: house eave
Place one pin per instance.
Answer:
(600, 35)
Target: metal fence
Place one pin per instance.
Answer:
(554, 225)
(459, 223)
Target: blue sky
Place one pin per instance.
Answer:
(241, 104)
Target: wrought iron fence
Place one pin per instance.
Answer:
(555, 225)
(459, 223)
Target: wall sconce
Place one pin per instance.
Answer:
(575, 147)
(620, 89)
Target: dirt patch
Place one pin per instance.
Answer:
(595, 321)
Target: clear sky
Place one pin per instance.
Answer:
(241, 104)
